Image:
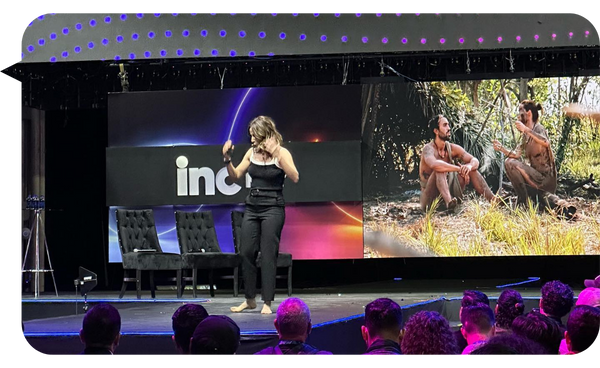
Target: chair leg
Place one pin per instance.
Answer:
(289, 281)
(235, 282)
(194, 281)
(211, 283)
(152, 286)
(124, 287)
(138, 283)
(179, 287)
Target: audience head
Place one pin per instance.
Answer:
(509, 344)
(215, 335)
(589, 296)
(539, 328)
(582, 328)
(556, 300)
(510, 305)
(472, 297)
(428, 333)
(185, 319)
(383, 319)
(101, 327)
(293, 320)
(477, 321)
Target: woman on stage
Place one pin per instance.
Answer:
(268, 164)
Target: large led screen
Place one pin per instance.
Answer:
(555, 214)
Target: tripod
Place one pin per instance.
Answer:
(37, 229)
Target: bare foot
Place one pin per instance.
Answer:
(248, 304)
(266, 309)
(452, 204)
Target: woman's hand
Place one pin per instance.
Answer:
(271, 146)
(227, 150)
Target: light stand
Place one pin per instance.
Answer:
(37, 204)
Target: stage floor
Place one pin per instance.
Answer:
(327, 305)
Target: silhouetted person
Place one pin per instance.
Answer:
(509, 343)
(510, 305)
(556, 301)
(293, 326)
(184, 321)
(382, 328)
(470, 298)
(428, 333)
(215, 335)
(478, 326)
(101, 330)
(582, 328)
(539, 328)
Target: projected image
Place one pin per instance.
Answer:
(464, 168)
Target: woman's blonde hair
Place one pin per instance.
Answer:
(263, 127)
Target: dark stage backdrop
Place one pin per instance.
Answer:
(320, 126)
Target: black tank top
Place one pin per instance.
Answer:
(267, 183)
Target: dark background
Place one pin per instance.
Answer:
(76, 139)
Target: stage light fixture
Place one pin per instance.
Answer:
(135, 36)
(252, 53)
(214, 52)
(295, 14)
(30, 48)
(93, 22)
(147, 54)
(262, 34)
(151, 34)
(107, 20)
(41, 17)
(384, 40)
(232, 53)
(423, 41)
(316, 14)
(117, 57)
(587, 33)
(132, 56)
(536, 37)
(442, 41)
(461, 40)
(176, 14)
(323, 38)
(53, 36)
(365, 39)
(274, 14)
(65, 31)
(41, 42)
(242, 34)
(185, 33)
(570, 34)
(499, 39)
(518, 38)
(105, 41)
(302, 37)
(405, 40)
(157, 15)
(358, 15)
(78, 26)
(271, 54)
(179, 52)
(65, 54)
(197, 52)
(223, 33)
(90, 45)
(77, 49)
(378, 15)
(480, 40)
(53, 59)
(139, 15)
(337, 15)
(86, 281)
(204, 33)
(119, 38)
(123, 17)
(168, 33)
(163, 52)
(282, 35)
(344, 38)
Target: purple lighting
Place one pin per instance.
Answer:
(587, 33)
(262, 34)
(337, 15)
(405, 40)
(53, 36)
(536, 37)
(123, 17)
(93, 22)
(378, 15)
(553, 35)
(365, 39)
(147, 54)
(384, 40)
(150, 34)
(90, 45)
(30, 48)
(358, 15)
(251, 53)
(214, 52)
(196, 52)
(53, 59)
(204, 33)
(135, 36)
(316, 14)
(168, 33)
(105, 41)
(107, 20)
(117, 57)
(423, 41)
(223, 33)
(77, 49)
(163, 52)
(570, 34)
(442, 41)
(518, 38)
(132, 56)
(139, 15)
(65, 31)
(242, 34)
(41, 42)
(499, 38)
(282, 36)
(185, 33)
(119, 39)
(480, 40)
(78, 26)
(344, 38)
(232, 53)
(323, 38)
(302, 37)
(179, 52)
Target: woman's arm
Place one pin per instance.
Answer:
(287, 163)
(235, 172)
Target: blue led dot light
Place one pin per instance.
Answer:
(384, 40)
(119, 39)
(77, 49)
(41, 17)
(175, 14)
(242, 34)
(151, 34)
(302, 37)
(139, 15)
(41, 42)
(53, 59)
(232, 53)
(337, 15)
(404, 40)
(365, 39)
(223, 33)
(135, 36)
(316, 14)
(323, 38)
(196, 52)
(378, 15)
(93, 22)
(271, 54)
(163, 52)
(65, 54)
(179, 52)
(132, 56)
(123, 17)
(344, 38)
(282, 35)
(185, 33)
(53, 36)
(204, 33)
(214, 52)
(107, 20)
(251, 53)
(358, 15)
(157, 15)
(262, 34)
(105, 41)
(65, 31)
(168, 33)
(78, 26)
(90, 45)
(117, 57)
(147, 54)
(295, 14)
(30, 48)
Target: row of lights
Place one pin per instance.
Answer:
(215, 52)
(295, 13)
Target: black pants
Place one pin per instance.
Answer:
(261, 231)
